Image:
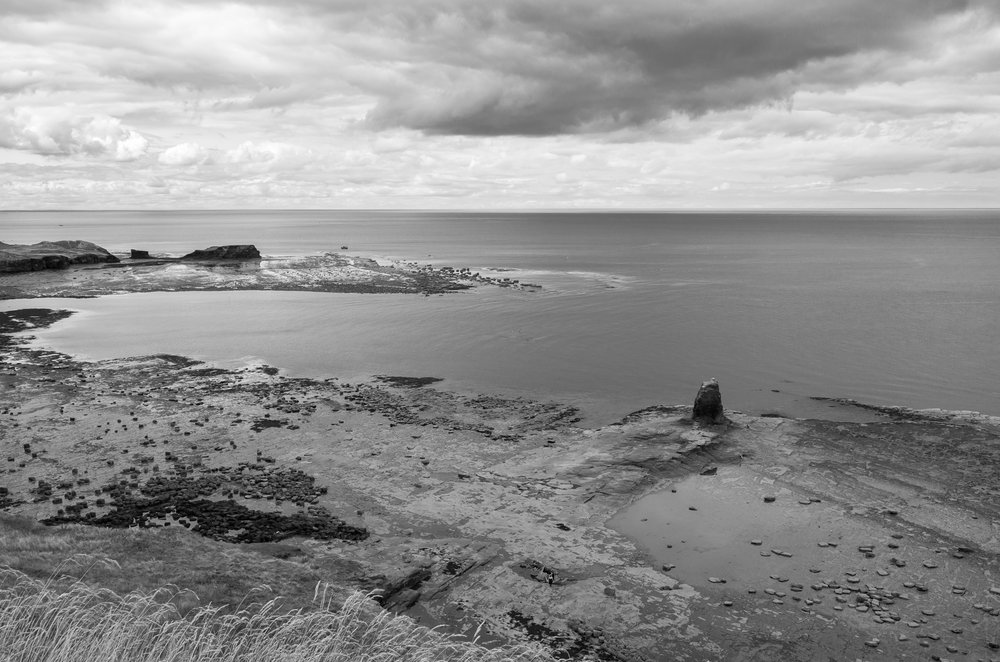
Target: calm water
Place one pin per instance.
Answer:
(637, 309)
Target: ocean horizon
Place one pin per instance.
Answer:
(889, 307)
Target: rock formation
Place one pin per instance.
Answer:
(139, 255)
(51, 255)
(234, 252)
(708, 404)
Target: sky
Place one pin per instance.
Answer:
(499, 104)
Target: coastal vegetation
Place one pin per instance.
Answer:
(42, 622)
(64, 597)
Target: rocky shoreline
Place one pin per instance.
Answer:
(95, 272)
(16, 258)
(655, 538)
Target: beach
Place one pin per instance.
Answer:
(649, 538)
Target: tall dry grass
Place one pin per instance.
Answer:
(49, 621)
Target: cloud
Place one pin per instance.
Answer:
(56, 135)
(264, 156)
(530, 68)
(17, 80)
(505, 67)
(62, 186)
(499, 102)
(269, 97)
(184, 154)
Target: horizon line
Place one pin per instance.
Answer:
(539, 210)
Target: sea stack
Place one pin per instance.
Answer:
(708, 404)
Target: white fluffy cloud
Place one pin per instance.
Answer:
(184, 154)
(54, 133)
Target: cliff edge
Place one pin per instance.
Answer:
(51, 255)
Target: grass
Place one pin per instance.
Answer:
(63, 599)
(45, 621)
(148, 559)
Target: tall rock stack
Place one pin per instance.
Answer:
(708, 404)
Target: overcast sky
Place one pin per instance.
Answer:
(499, 104)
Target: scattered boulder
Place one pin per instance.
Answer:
(139, 255)
(708, 404)
(51, 255)
(232, 252)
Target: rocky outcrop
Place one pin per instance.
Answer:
(139, 255)
(51, 255)
(708, 404)
(233, 252)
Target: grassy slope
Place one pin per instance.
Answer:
(84, 593)
(79, 623)
(151, 558)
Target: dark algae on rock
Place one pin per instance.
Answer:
(408, 382)
(25, 319)
(205, 503)
(220, 520)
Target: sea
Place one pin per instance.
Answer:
(888, 307)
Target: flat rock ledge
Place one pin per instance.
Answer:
(762, 539)
(16, 258)
(232, 252)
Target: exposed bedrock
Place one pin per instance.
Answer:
(708, 404)
(137, 254)
(51, 255)
(232, 252)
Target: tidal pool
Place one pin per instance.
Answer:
(720, 527)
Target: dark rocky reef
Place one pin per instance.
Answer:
(220, 520)
(232, 252)
(16, 258)
(204, 503)
(407, 382)
(708, 404)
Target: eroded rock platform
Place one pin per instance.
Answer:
(651, 539)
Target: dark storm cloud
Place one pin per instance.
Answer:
(543, 68)
(519, 67)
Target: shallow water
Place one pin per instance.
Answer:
(715, 540)
(895, 308)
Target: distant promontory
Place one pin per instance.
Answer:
(51, 255)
